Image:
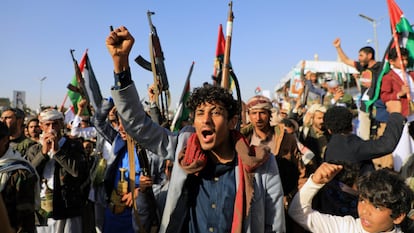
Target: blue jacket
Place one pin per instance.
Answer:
(107, 132)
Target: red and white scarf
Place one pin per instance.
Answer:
(193, 159)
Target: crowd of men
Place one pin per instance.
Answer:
(293, 166)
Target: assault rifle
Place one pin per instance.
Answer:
(149, 193)
(143, 161)
(157, 67)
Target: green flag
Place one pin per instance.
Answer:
(403, 35)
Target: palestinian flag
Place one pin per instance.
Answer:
(74, 96)
(182, 113)
(92, 89)
(402, 29)
(403, 36)
(218, 61)
(90, 85)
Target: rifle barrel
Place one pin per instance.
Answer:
(149, 13)
(226, 63)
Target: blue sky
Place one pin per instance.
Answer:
(269, 38)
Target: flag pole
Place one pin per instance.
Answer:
(218, 61)
(63, 103)
(397, 43)
(181, 106)
(226, 63)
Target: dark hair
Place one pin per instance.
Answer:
(386, 188)
(290, 123)
(338, 120)
(393, 53)
(349, 173)
(368, 50)
(4, 130)
(213, 94)
(17, 112)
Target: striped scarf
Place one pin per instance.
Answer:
(11, 161)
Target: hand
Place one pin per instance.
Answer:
(82, 105)
(338, 94)
(113, 112)
(307, 119)
(145, 182)
(404, 90)
(49, 142)
(303, 64)
(337, 43)
(152, 93)
(127, 198)
(325, 173)
(119, 44)
(168, 168)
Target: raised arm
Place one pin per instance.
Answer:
(126, 98)
(99, 121)
(387, 143)
(300, 208)
(344, 58)
(77, 130)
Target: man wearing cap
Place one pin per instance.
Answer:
(61, 164)
(14, 119)
(282, 144)
(336, 96)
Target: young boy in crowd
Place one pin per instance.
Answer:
(384, 201)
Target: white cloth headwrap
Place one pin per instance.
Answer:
(50, 115)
